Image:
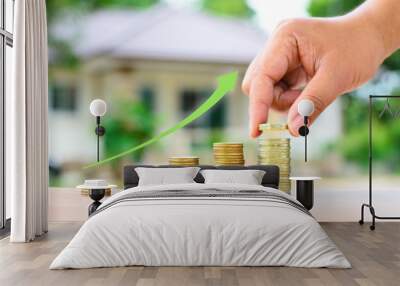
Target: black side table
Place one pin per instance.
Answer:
(96, 195)
(305, 190)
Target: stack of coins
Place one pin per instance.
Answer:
(228, 154)
(274, 149)
(184, 161)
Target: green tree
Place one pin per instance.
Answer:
(329, 8)
(127, 124)
(54, 7)
(232, 8)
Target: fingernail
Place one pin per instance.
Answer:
(295, 124)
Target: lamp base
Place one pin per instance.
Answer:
(96, 195)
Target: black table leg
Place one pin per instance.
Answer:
(96, 195)
(305, 193)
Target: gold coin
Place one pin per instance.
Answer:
(228, 143)
(281, 162)
(184, 165)
(230, 161)
(275, 140)
(227, 150)
(229, 158)
(184, 157)
(273, 145)
(229, 155)
(274, 151)
(176, 160)
(273, 126)
(185, 162)
(274, 155)
(221, 145)
(182, 162)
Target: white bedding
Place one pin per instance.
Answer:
(200, 231)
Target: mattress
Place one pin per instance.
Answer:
(201, 225)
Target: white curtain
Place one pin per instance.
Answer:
(26, 122)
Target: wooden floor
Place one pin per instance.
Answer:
(375, 257)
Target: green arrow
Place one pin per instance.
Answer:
(226, 83)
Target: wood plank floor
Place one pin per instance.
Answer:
(375, 257)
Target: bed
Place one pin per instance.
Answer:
(198, 224)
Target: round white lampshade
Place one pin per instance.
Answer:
(305, 107)
(98, 107)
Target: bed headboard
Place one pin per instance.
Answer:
(270, 179)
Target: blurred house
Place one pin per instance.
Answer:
(167, 58)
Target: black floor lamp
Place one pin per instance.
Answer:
(98, 108)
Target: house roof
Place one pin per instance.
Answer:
(162, 33)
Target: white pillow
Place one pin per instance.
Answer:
(248, 177)
(165, 176)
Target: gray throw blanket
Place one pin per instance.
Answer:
(206, 194)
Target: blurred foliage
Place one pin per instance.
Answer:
(233, 8)
(54, 7)
(127, 125)
(63, 55)
(329, 8)
(386, 130)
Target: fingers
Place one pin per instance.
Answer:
(283, 99)
(269, 68)
(321, 91)
(261, 91)
(250, 74)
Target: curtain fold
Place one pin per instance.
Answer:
(27, 145)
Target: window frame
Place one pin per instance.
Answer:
(6, 39)
(62, 90)
(200, 95)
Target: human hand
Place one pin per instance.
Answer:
(315, 59)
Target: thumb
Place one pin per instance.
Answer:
(321, 91)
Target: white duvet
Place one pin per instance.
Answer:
(200, 231)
